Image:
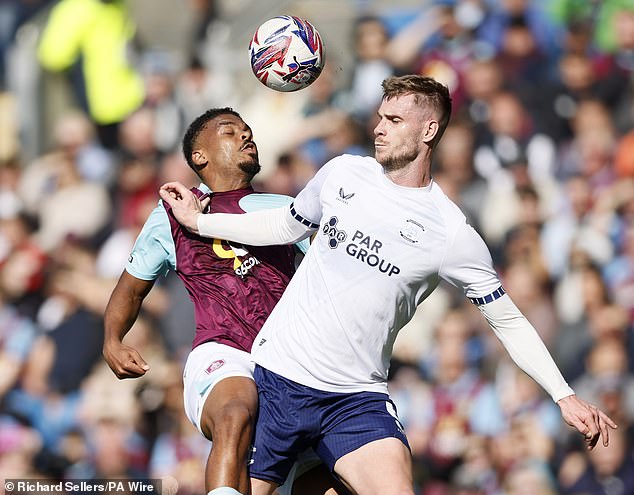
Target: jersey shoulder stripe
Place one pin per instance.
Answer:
(263, 201)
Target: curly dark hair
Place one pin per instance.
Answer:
(197, 126)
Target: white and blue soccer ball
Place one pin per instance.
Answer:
(287, 53)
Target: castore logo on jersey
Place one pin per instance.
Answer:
(343, 197)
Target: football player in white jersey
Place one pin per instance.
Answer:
(387, 235)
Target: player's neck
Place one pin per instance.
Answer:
(221, 184)
(413, 175)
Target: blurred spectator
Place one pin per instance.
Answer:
(343, 135)
(178, 447)
(606, 373)
(533, 15)
(522, 242)
(522, 401)
(161, 99)
(292, 172)
(62, 203)
(199, 88)
(601, 16)
(483, 80)
(22, 264)
(19, 447)
(619, 272)
(578, 295)
(17, 334)
(510, 138)
(98, 34)
(140, 156)
(477, 474)
(607, 321)
(530, 478)
(586, 117)
(13, 14)
(519, 55)
(455, 172)
(602, 471)
(440, 43)
(74, 137)
(568, 227)
(461, 402)
(60, 358)
(264, 106)
(64, 191)
(371, 67)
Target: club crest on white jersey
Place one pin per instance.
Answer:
(412, 231)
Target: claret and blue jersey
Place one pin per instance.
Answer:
(233, 287)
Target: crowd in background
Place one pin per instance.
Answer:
(539, 155)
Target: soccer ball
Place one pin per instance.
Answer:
(287, 53)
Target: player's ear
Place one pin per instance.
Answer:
(430, 130)
(199, 158)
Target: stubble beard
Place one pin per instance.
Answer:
(394, 162)
(250, 169)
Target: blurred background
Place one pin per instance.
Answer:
(94, 98)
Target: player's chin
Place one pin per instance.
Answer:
(250, 167)
(381, 156)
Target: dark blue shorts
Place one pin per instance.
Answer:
(293, 417)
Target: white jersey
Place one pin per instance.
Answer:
(380, 250)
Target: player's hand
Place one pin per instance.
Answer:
(124, 361)
(185, 204)
(589, 420)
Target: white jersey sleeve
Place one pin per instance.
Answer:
(286, 225)
(264, 201)
(257, 228)
(307, 208)
(468, 265)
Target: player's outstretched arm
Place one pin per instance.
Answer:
(121, 313)
(528, 351)
(267, 227)
(589, 420)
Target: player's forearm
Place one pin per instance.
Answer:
(526, 348)
(123, 307)
(258, 228)
(120, 315)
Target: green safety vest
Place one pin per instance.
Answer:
(99, 32)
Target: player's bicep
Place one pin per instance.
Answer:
(153, 253)
(468, 266)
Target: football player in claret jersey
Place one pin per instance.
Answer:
(233, 287)
(386, 235)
